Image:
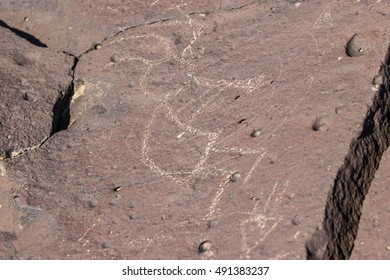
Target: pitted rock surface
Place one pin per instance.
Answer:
(160, 154)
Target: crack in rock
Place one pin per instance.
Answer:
(19, 152)
(166, 19)
(123, 29)
(345, 200)
(60, 111)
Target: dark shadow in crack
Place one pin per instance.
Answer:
(345, 200)
(61, 111)
(24, 35)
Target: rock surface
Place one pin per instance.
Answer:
(161, 118)
(32, 79)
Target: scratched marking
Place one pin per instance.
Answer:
(183, 112)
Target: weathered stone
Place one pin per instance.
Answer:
(23, 124)
(171, 120)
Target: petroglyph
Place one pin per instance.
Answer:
(192, 118)
(185, 113)
(262, 220)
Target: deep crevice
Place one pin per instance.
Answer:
(345, 200)
(30, 38)
(61, 109)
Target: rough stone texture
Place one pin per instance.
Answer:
(163, 114)
(353, 181)
(374, 225)
(32, 80)
(372, 240)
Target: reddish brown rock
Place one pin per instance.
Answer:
(166, 111)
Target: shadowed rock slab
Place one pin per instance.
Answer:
(32, 80)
